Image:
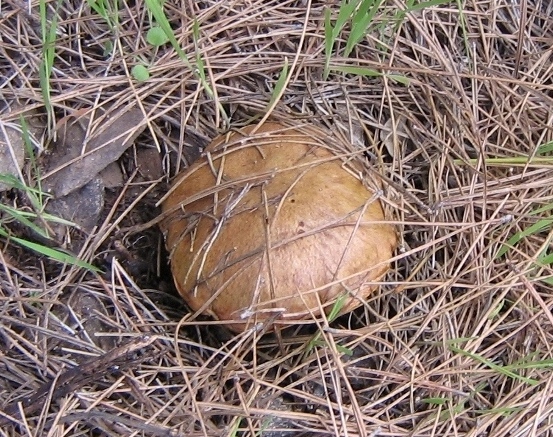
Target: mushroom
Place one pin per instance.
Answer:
(275, 223)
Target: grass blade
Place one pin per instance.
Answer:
(368, 72)
(279, 85)
(48, 32)
(504, 370)
(537, 227)
(361, 22)
(155, 7)
(427, 4)
(54, 254)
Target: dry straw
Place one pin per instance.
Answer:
(458, 339)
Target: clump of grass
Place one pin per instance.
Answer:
(31, 220)
(37, 219)
(542, 215)
(360, 15)
(155, 7)
(49, 29)
(108, 10)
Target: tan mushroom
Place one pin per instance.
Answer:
(275, 225)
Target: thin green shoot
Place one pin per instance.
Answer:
(502, 411)
(361, 16)
(545, 258)
(539, 226)
(337, 308)
(463, 24)
(360, 23)
(36, 196)
(452, 341)
(48, 33)
(368, 72)
(108, 11)
(545, 148)
(24, 217)
(14, 182)
(435, 401)
(234, 428)
(54, 254)
(497, 310)
(541, 210)
(200, 67)
(453, 411)
(321, 343)
(29, 219)
(526, 364)
(514, 161)
(344, 350)
(508, 371)
(155, 7)
(280, 83)
(545, 219)
(335, 311)
(333, 31)
(414, 6)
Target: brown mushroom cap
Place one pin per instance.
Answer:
(273, 224)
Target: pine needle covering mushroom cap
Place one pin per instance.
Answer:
(274, 225)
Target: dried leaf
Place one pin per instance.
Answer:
(76, 160)
(390, 133)
(149, 164)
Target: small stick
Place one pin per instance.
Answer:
(75, 377)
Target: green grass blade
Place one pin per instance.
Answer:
(504, 370)
(22, 218)
(435, 401)
(36, 196)
(48, 33)
(155, 7)
(503, 411)
(545, 258)
(541, 210)
(423, 5)
(337, 307)
(329, 42)
(54, 254)
(539, 226)
(13, 182)
(360, 23)
(368, 72)
(344, 14)
(199, 60)
(545, 148)
(279, 85)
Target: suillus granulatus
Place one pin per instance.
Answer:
(275, 223)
